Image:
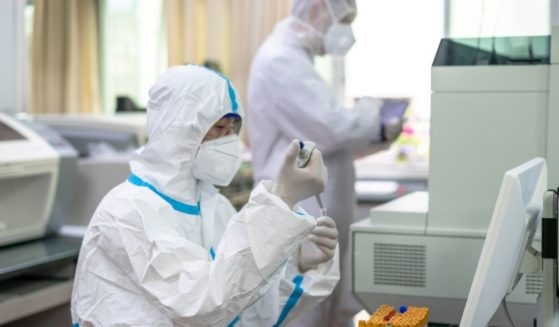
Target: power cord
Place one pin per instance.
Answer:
(504, 304)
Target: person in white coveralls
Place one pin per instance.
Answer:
(165, 248)
(288, 99)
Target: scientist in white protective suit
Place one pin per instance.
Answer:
(165, 248)
(288, 99)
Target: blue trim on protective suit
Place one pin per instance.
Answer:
(292, 301)
(232, 95)
(234, 322)
(186, 208)
(212, 252)
(76, 325)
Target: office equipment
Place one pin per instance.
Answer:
(495, 105)
(507, 251)
(121, 132)
(97, 175)
(66, 180)
(31, 183)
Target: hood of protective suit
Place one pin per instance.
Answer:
(183, 105)
(310, 19)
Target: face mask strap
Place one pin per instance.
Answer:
(308, 25)
(331, 12)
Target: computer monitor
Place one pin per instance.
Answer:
(513, 225)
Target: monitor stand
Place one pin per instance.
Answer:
(548, 309)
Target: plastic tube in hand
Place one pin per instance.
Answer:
(305, 153)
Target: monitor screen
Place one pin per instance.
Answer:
(9, 134)
(513, 225)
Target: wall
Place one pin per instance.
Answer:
(12, 56)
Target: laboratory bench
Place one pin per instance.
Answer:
(36, 280)
(379, 179)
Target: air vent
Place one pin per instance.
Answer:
(399, 264)
(534, 284)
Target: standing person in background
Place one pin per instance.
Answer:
(288, 99)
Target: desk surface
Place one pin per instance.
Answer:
(20, 258)
(384, 166)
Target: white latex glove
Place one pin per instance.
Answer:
(392, 130)
(293, 184)
(368, 103)
(320, 245)
(369, 112)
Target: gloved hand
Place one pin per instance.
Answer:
(392, 130)
(368, 103)
(293, 184)
(320, 245)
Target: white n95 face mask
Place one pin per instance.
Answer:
(218, 161)
(338, 39)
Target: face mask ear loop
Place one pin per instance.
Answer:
(314, 29)
(331, 12)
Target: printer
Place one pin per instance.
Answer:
(97, 171)
(37, 175)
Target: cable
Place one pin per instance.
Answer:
(504, 304)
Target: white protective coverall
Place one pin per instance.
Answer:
(165, 249)
(288, 99)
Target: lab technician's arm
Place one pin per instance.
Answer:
(307, 110)
(194, 290)
(300, 291)
(307, 277)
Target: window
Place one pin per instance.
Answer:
(396, 44)
(133, 49)
(28, 13)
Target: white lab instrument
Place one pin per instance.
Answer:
(507, 251)
(485, 119)
(97, 174)
(28, 180)
(305, 153)
(121, 131)
(66, 183)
